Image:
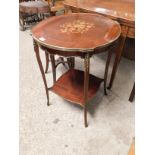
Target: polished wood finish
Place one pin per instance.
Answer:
(76, 35)
(101, 33)
(122, 11)
(70, 86)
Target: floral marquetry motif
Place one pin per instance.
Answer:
(77, 26)
(77, 32)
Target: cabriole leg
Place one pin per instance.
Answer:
(36, 49)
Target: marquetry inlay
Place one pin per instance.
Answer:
(77, 26)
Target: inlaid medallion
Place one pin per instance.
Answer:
(77, 26)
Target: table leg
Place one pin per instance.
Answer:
(86, 86)
(36, 49)
(47, 61)
(106, 71)
(119, 51)
(53, 68)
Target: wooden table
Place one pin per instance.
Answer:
(74, 35)
(122, 11)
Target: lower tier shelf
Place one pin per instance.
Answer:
(70, 86)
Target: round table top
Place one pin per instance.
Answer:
(81, 32)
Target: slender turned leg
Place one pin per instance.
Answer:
(36, 49)
(86, 86)
(132, 95)
(106, 71)
(53, 68)
(47, 62)
(119, 51)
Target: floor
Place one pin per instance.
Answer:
(59, 128)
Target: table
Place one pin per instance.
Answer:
(122, 11)
(76, 35)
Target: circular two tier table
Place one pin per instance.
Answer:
(76, 35)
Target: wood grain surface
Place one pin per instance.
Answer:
(120, 10)
(76, 32)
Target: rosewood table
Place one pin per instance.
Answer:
(122, 11)
(75, 35)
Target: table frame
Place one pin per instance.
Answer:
(86, 57)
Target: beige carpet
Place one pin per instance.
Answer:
(59, 129)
